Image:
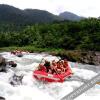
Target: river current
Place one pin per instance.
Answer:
(26, 87)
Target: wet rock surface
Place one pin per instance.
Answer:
(2, 98)
(12, 63)
(86, 57)
(91, 57)
(16, 80)
(19, 55)
(2, 64)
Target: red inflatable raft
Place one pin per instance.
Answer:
(43, 76)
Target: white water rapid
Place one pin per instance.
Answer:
(28, 88)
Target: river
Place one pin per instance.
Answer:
(25, 87)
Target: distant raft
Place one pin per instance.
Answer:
(19, 53)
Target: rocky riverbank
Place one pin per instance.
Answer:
(86, 57)
(4, 63)
(91, 57)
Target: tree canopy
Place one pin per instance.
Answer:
(84, 34)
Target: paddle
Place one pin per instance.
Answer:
(59, 75)
(40, 63)
(41, 60)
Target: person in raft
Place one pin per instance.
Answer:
(58, 67)
(55, 67)
(44, 67)
(47, 65)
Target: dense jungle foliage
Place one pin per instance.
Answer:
(70, 35)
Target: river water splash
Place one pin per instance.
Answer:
(19, 84)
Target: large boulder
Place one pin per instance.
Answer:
(2, 64)
(2, 98)
(12, 63)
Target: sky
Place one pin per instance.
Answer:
(86, 8)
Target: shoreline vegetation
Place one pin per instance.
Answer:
(70, 35)
(85, 57)
(78, 41)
